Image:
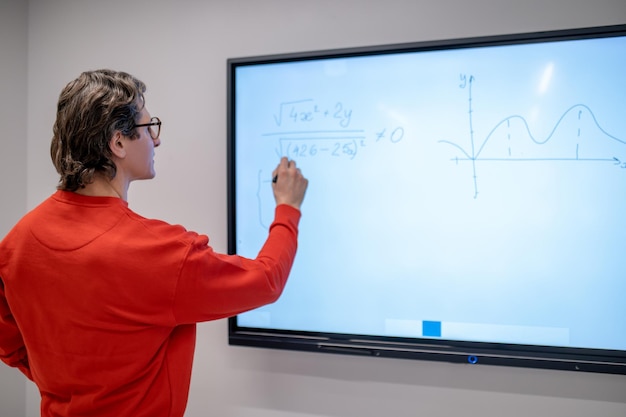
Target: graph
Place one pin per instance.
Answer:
(577, 136)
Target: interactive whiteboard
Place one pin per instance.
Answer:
(469, 192)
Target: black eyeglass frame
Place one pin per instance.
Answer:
(154, 121)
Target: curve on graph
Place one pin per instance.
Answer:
(539, 142)
(458, 147)
(532, 137)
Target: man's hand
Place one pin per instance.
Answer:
(288, 183)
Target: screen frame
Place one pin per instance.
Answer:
(467, 352)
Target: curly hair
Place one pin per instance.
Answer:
(89, 112)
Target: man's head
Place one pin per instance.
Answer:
(91, 109)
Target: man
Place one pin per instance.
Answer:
(98, 305)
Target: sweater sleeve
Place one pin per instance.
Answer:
(213, 286)
(12, 349)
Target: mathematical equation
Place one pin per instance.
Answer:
(322, 130)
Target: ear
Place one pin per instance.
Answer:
(116, 144)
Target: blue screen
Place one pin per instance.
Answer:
(474, 194)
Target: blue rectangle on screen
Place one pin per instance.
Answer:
(431, 328)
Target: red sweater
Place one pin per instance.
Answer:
(98, 305)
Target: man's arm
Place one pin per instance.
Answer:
(12, 349)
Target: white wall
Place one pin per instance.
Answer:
(13, 46)
(179, 48)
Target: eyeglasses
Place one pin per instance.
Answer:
(154, 127)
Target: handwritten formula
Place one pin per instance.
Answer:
(310, 129)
